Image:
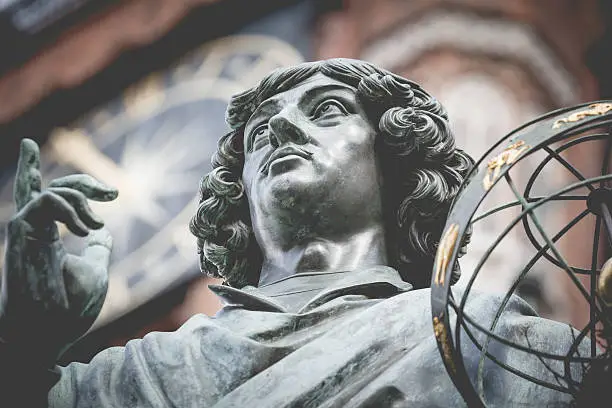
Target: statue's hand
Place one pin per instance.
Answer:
(50, 298)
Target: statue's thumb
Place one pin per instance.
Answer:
(86, 277)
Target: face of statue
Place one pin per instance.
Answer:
(310, 158)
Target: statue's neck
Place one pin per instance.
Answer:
(362, 249)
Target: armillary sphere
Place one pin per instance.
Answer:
(526, 203)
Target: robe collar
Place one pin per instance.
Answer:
(303, 292)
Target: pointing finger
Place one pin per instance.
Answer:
(28, 179)
(86, 184)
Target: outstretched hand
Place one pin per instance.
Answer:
(48, 295)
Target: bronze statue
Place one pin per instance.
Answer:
(322, 213)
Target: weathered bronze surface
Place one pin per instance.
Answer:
(323, 214)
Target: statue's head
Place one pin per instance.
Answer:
(337, 144)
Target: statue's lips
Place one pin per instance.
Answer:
(286, 152)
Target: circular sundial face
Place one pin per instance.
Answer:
(154, 144)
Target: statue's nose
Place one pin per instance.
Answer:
(286, 129)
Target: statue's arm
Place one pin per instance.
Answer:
(33, 335)
(48, 298)
(27, 361)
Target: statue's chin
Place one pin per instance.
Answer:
(296, 192)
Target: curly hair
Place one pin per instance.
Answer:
(421, 166)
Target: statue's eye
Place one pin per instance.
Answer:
(259, 136)
(329, 108)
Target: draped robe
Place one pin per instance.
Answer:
(361, 338)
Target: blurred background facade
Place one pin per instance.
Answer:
(134, 92)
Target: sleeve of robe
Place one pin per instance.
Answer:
(139, 374)
(193, 366)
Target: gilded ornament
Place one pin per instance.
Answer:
(595, 109)
(508, 156)
(445, 251)
(604, 283)
(442, 337)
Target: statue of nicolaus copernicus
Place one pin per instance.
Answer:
(322, 213)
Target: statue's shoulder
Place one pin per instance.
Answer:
(513, 319)
(479, 302)
(519, 334)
